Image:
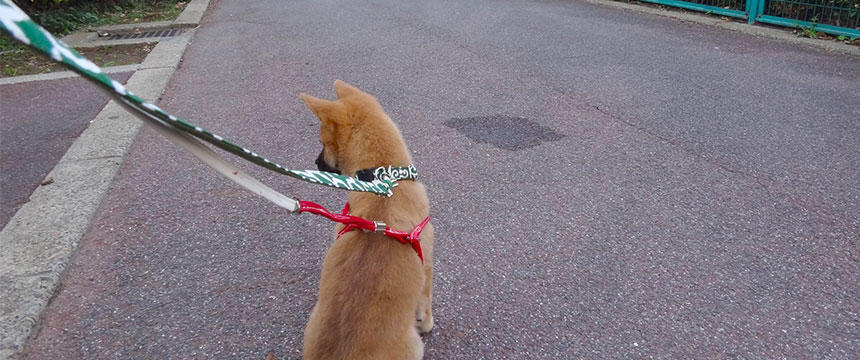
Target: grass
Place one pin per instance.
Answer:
(10, 52)
(809, 31)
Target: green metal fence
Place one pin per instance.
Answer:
(837, 17)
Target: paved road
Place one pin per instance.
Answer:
(38, 122)
(605, 184)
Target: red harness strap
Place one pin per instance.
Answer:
(354, 222)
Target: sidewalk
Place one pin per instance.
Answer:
(57, 132)
(41, 119)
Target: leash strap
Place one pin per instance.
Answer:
(356, 223)
(17, 24)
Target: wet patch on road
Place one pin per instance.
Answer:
(504, 132)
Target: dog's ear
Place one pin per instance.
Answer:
(343, 89)
(323, 109)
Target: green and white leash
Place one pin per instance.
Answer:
(17, 24)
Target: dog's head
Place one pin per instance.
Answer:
(355, 132)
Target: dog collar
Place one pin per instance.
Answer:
(389, 173)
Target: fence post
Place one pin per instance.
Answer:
(754, 8)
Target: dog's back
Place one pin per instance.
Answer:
(375, 292)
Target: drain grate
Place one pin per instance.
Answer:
(157, 33)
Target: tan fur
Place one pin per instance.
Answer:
(375, 295)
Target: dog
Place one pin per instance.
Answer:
(375, 293)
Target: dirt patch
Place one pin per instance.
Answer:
(27, 62)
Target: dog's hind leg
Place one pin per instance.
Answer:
(424, 312)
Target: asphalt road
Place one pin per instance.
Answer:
(604, 184)
(39, 120)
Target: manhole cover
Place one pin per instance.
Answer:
(505, 132)
(156, 33)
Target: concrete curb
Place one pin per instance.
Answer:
(756, 30)
(191, 15)
(38, 242)
(63, 75)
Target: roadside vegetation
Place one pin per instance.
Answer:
(62, 17)
(844, 13)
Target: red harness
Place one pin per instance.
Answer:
(356, 223)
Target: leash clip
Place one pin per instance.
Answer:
(379, 226)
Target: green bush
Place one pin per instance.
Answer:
(844, 13)
(61, 17)
(41, 5)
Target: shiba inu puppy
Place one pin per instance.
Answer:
(375, 293)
